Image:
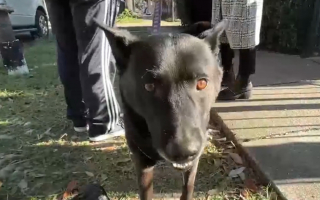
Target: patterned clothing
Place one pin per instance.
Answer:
(244, 21)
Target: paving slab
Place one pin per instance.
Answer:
(273, 110)
(292, 161)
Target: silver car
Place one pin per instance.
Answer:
(29, 16)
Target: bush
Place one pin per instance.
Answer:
(285, 24)
(127, 14)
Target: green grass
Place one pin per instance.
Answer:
(40, 154)
(128, 20)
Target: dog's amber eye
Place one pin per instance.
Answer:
(201, 84)
(149, 87)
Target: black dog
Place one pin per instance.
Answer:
(168, 84)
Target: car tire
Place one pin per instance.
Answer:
(42, 25)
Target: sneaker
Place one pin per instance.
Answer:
(117, 131)
(80, 126)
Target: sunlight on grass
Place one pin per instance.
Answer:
(4, 94)
(4, 123)
(129, 20)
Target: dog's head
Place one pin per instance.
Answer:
(171, 81)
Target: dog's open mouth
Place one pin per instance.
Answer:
(182, 166)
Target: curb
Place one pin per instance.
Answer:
(216, 122)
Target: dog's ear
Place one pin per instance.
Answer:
(119, 41)
(211, 36)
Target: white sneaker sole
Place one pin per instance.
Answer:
(107, 136)
(81, 129)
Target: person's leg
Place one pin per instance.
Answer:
(67, 56)
(68, 69)
(95, 62)
(227, 55)
(242, 33)
(247, 64)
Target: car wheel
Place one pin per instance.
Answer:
(42, 25)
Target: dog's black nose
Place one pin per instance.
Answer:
(183, 151)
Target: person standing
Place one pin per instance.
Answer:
(243, 34)
(84, 62)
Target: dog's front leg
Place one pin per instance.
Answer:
(188, 182)
(145, 177)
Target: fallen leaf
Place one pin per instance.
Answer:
(251, 185)
(40, 136)
(6, 137)
(27, 124)
(244, 194)
(39, 175)
(47, 131)
(242, 176)
(89, 174)
(63, 136)
(1, 184)
(72, 189)
(236, 158)
(124, 160)
(234, 173)
(88, 158)
(29, 132)
(23, 185)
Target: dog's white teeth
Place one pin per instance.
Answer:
(181, 166)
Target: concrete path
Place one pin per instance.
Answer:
(279, 127)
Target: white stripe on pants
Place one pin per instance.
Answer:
(113, 106)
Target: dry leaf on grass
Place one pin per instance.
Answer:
(236, 158)
(234, 173)
(242, 176)
(124, 160)
(89, 174)
(72, 189)
(27, 124)
(251, 185)
(39, 175)
(1, 184)
(244, 194)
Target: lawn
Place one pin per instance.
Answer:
(40, 154)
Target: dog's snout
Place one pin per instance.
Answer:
(181, 153)
(183, 150)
